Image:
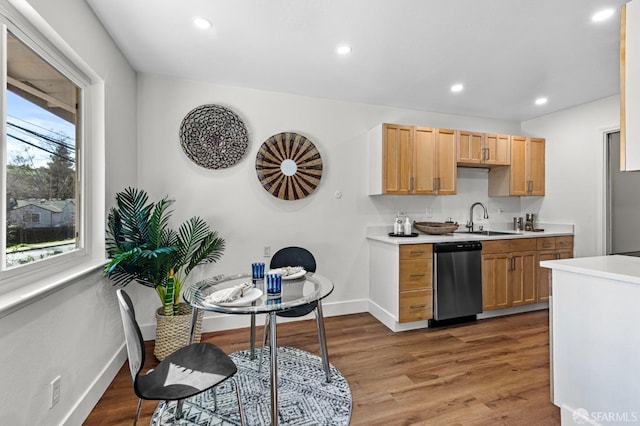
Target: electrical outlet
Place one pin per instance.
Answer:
(266, 252)
(54, 388)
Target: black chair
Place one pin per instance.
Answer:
(184, 373)
(298, 256)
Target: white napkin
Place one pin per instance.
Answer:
(286, 270)
(228, 294)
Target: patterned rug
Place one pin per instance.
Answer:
(304, 398)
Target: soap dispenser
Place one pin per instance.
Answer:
(407, 226)
(397, 225)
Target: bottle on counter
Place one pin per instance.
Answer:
(407, 226)
(397, 225)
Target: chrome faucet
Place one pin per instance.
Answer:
(470, 222)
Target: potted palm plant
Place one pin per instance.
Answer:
(142, 247)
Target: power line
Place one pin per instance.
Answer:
(41, 148)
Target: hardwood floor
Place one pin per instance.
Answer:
(491, 372)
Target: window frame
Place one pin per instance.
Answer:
(27, 283)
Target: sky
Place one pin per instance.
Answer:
(30, 116)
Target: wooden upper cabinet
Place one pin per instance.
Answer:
(423, 160)
(480, 149)
(525, 175)
(407, 160)
(497, 150)
(470, 147)
(535, 166)
(629, 87)
(413, 160)
(445, 160)
(397, 158)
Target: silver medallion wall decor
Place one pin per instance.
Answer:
(213, 136)
(289, 166)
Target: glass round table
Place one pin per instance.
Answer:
(295, 292)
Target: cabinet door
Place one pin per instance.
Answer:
(424, 161)
(495, 281)
(523, 278)
(446, 166)
(397, 148)
(518, 176)
(470, 147)
(535, 166)
(497, 150)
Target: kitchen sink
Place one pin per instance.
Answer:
(488, 233)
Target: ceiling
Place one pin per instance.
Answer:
(405, 53)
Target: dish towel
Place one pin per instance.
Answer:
(228, 294)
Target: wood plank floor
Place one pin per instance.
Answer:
(491, 372)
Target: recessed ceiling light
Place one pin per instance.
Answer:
(202, 23)
(602, 15)
(541, 101)
(343, 50)
(457, 88)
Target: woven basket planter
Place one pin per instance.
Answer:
(172, 333)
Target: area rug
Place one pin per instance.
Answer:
(304, 398)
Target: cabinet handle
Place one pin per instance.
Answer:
(435, 184)
(547, 245)
(417, 252)
(417, 275)
(418, 306)
(512, 264)
(411, 184)
(438, 180)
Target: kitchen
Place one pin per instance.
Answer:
(143, 118)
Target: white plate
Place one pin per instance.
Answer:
(298, 274)
(249, 296)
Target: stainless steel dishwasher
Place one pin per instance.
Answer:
(457, 282)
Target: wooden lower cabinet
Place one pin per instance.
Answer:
(511, 275)
(551, 248)
(415, 282)
(495, 281)
(508, 273)
(522, 278)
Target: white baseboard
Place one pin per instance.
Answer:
(81, 410)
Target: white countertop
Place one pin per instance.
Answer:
(617, 267)
(381, 233)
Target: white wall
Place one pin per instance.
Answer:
(76, 332)
(248, 217)
(575, 168)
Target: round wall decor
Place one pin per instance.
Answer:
(289, 166)
(213, 136)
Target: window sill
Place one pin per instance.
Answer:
(16, 299)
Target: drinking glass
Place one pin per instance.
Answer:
(274, 284)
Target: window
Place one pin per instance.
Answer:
(52, 125)
(33, 218)
(42, 122)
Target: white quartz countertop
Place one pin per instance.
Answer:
(381, 233)
(617, 267)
